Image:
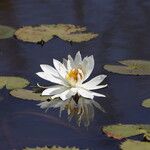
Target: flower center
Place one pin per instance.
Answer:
(74, 75)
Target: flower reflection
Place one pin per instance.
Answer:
(82, 109)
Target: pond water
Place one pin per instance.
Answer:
(123, 28)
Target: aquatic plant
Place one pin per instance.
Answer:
(44, 33)
(135, 145)
(130, 67)
(6, 32)
(13, 82)
(70, 77)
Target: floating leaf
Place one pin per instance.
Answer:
(121, 131)
(135, 145)
(6, 32)
(146, 103)
(45, 33)
(13, 82)
(52, 148)
(130, 67)
(28, 95)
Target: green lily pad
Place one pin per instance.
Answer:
(6, 32)
(146, 103)
(130, 67)
(135, 145)
(52, 148)
(28, 95)
(13, 82)
(121, 131)
(45, 33)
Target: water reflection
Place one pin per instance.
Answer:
(79, 10)
(11, 54)
(82, 110)
(12, 57)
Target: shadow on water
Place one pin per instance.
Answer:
(124, 34)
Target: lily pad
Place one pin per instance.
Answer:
(6, 32)
(135, 145)
(146, 103)
(28, 95)
(52, 148)
(44, 33)
(13, 82)
(130, 67)
(121, 131)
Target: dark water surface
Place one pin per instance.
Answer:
(124, 28)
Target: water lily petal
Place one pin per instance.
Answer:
(69, 65)
(49, 69)
(78, 58)
(51, 78)
(65, 62)
(54, 90)
(71, 61)
(98, 87)
(65, 95)
(85, 93)
(88, 66)
(97, 94)
(94, 82)
(95, 87)
(60, 68)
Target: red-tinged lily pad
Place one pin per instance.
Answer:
(120, 131)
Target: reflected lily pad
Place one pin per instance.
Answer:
(135, 145)
(44, 33)
(146, 103)
(6, 32)
(13, 82)
(52, 148)
(28, 95)
(130, 67)
(121, 131)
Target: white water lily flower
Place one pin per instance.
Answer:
(70, 77)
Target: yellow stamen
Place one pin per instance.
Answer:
(74, 75)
